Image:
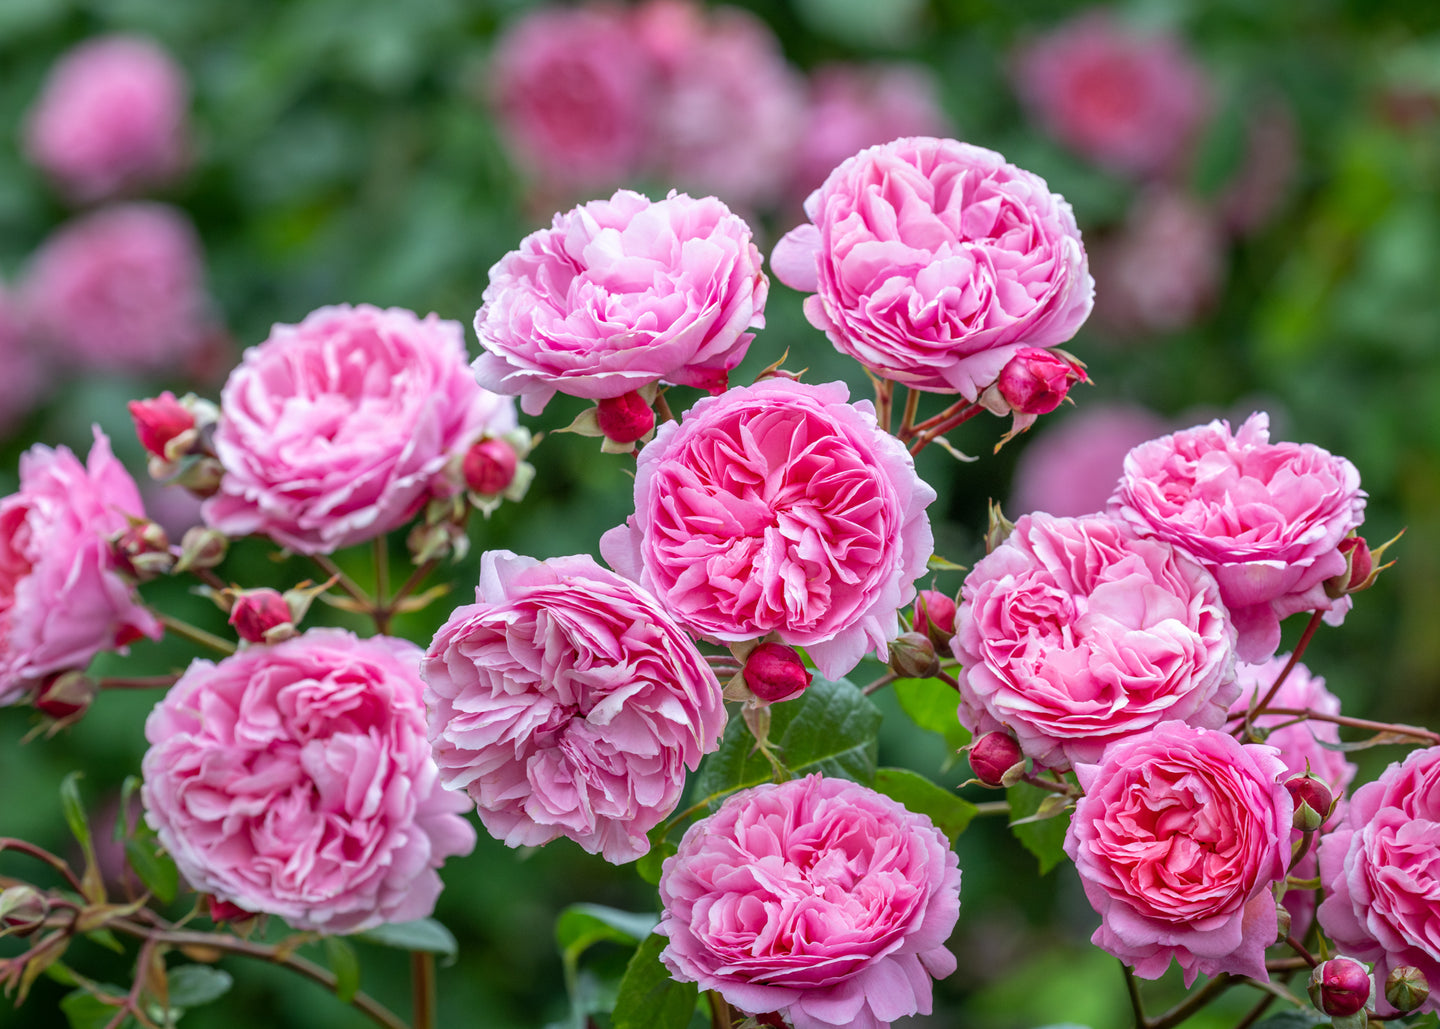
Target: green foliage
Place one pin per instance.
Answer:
(424, 934)
(1045, 838)
(950, 813)
(192, 986)
(932, 704)
(84, 1010)
(649, 998)
(340, 956)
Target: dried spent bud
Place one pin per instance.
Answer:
(489, 466)
(1406, 988)
(262, 616)
(774, 672)
(1340, 986)
(913, 656)
(66, 695)
(1035, 381)
(201, 548)
(625, 419)
(1283, 920)
(1313, 802)
(142, 551)
(160, 420)
(996, 759)
(22, 910)
(935, 617)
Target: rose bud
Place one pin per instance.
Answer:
(160, 420)
(201, 548)
(142, 551)
(1035, 381)
(774, 672)
(1283, 920)
(22, 910)
(1313, 802)
(1340, 986)
(935, 617)
(1406, 988)
(224, 911)
(489, 466)
(624, 419)
(66, 695)
(996, 759)
(913, 656)
(262, 616)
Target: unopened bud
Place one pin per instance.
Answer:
(1340, 986)
(999, 528)
(224, 911)
(201, 548)
(262, 616)
(1406, 988)
(433, 541)
(774, 672)
(142, 551)
(1313, 801)
(1283, 920)
(200, 475)
(1035, 381)
(935, 617)
(22, 910)
(489, 466)
(997, 760)
(913, 656)
(159, 421)
(624, 419)
(66, 695)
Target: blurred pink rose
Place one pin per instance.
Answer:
(1266, 176)
(62, 599)
(25, 380)
(112, 118)
(780, 508)
(1266, 518)
(566, 702)
(1072, 468)
(1074, 634)
(934, 261)
(295, 780)
(1381, 871)
(1131, 101)
(120, 289)
(817, 898)
(337, 430)
(1178, 839)
(618, 294)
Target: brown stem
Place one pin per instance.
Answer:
(195, 634)
(347, 584)
(880, 683)
(1305, 638)
(43, 855)
(1358, 723)
(1046, 784)
(1194, 1002)
(949, 412)
(139, 682)
(884, 401)
(1299, 948)
(381, 615)
(1253, 1015)
(719, 1011)
(662, 408)
(912, 404)
(422, 986)
(1136, 1004)
(408, 586)
(948, 680)
(1286, 964)
(927, 437)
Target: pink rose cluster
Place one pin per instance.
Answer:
(296, 780)
(566, 702)
(819, 899)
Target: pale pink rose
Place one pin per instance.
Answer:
(1074, 634)
(1381, 871)
(337, 430)
(1178, 840)
(295, 780)
(817, 898)
(25, 381)
(120, 289)
(571, 89)
(618, 294)
(112, 118)
(566, 702)
(933, 262)
(1074, 464)
(780, 508)
(62, 598)
(1132, 101)
(1266, 518)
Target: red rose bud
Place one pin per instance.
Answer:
(774, 672)
(159, 420)
(624, 419)
(22, 910)
(913, 656)
(224, 911)
(1340, 986)
(1313, 801)
(1036, 381)
(996, 759)
(935, 617)
(66, 695)
(489, 466)
(142, 551)
(1406, 988)
(262, 615)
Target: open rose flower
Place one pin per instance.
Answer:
(566, 702)
(336, 430)
(618, 294)
(62, 597)
(780, 508)
(817, 898)
(1074, 634)
(1178, 839)
(932, 262)
(295, 780)
(1266, 518)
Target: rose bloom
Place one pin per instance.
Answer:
(1074, 634)
(120, 289)
(618, 294)
(337, 430)
(1072, 466)
(566, 702)
(111, 118)
(1381, 872)
(933, 262)
(62, 599)
(780, 508)
(1133, 102)
(817, 898)
(1266, 518)
(1178, 839)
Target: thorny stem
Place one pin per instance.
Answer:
(927, 437)
(195, 634)
(1305, 638)
(949, 412)
(422, 986)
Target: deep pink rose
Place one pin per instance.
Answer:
(336, 430)
(780, 508)
(1266, 518)
(121, 289)
(566, 702)
(1381, 871)
(932, 262)
(618, 294)
(1074, 634)
(1131, 101)
(62, 597)
(1074, 464)
(1178, 840)
(111, 119)
(817, 898)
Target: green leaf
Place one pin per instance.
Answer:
(74, 810)
(423, 934)
(154, 868)
(650, 864)
(105, 938)
(931, 704)
(194, 985)
(342, 961)
(580, 926)
(649, 998)
(85, 1011)
(1045, 839)
(950, 813)
(127, 790)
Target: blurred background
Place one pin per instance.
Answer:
(1258, 186)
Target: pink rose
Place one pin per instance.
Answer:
(780, 508)
(1178, 839)
(1381, 871)
(1266, 518)
(817, 898)
(62, 597)
(337, 430)
(932, 262)
(1073, 634)
(111, 119)
(1133, 102)
(618, 294)
(121, 289)
(566, 702)
(1072, 467)
(295, 780)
